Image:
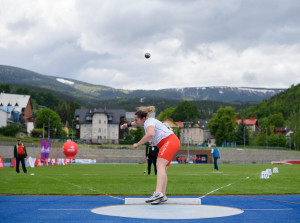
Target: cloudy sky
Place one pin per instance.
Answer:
(193, 43)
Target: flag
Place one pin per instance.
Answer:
(43, 147)
(47, 150)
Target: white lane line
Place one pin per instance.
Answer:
(64, 209)
(214, 190)
(286, 209)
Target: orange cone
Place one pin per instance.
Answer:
(13, 163)
(38, 162)
(46, 162)
(51, 162)
(66, 162)
(57, 162)
(1, 163)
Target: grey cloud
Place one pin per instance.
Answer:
(112, 36)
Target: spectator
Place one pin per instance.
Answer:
(180, 160)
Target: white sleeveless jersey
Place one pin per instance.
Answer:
(160, 130)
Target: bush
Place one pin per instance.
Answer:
(37, 133)
(12, 129)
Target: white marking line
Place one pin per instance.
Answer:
(64, 209)
(215, 190)
(287, 209)
(91, 189)
(218, 188)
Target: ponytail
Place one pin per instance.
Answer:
(144, 112)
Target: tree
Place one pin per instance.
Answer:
(276, 120)
(185, 111)
(242, 134)
(133, 135)
(222, 125)
(66, 111)
(46, 116)
(166, 113)
(277, 140)
(63, 111)
(5, 88)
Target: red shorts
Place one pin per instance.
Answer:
(168, 147)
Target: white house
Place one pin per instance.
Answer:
(99, 125)
(18, 108)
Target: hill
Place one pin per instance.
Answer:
(92, 94)
(285, 102)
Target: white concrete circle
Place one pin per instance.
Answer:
(165, 211)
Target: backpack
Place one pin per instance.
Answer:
(20, 149)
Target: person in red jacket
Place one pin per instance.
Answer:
(179, 159)
(185, 159)
(20, 154)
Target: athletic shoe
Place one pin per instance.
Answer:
(164, 199)
(158, 201)
(155, 196)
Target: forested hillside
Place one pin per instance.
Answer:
(285, 103)
(90, 94)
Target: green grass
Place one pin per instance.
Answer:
(123, 179)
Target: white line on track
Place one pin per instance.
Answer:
(219, 188)
(286, 209)
(214, 190)
(64, 209)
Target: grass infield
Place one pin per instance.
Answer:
(129, 179)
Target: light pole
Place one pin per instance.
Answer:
(49, 128)
(188, 139)
(244, 138)
(267, 137)
(72, 128)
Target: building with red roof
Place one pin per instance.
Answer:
(251, 123)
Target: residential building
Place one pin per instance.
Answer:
(284, 131)
(196, 133)
(251, 123)
(99, 125)
(18, 108)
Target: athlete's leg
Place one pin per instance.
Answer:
(162, 179)
(154, 164)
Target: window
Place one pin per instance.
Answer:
(100, 121)
(99, 130)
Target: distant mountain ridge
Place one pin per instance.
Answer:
(89, 92)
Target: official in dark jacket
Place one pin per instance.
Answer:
(151, 155)
(20, 154)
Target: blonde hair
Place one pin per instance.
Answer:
(144, 112)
